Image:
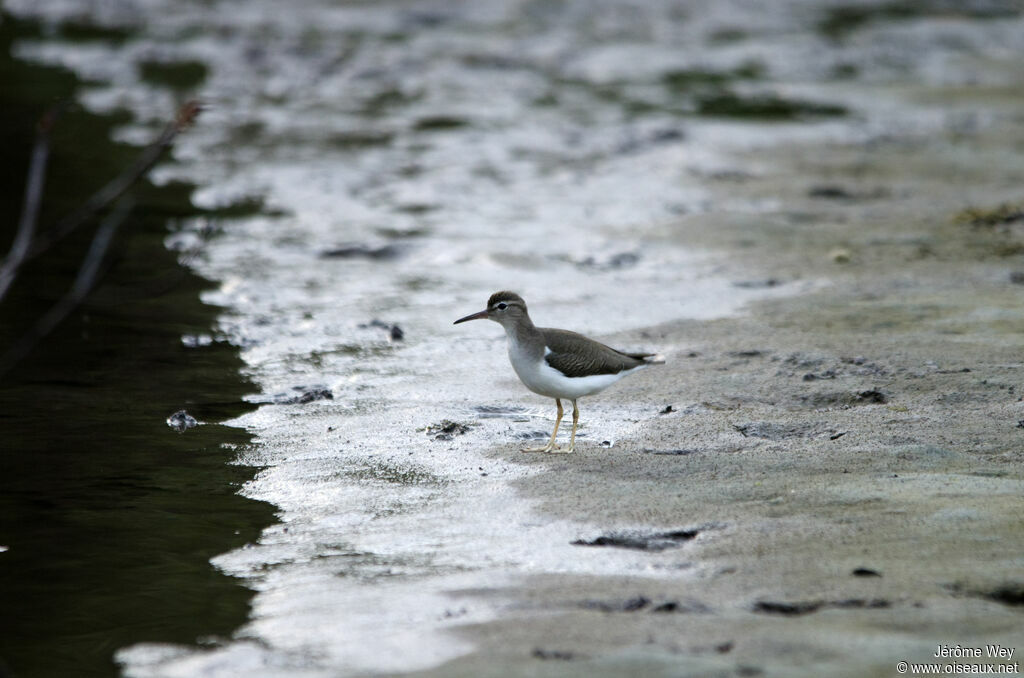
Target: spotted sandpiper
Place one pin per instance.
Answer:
(557, 363)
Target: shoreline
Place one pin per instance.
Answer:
(849, 457)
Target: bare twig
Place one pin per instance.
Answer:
(27, 246)
(30, 206)
(115, 189)
(88, 273)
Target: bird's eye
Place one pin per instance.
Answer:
(502, 306)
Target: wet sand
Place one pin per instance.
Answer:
(850, 458)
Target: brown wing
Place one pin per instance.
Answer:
(566, 357)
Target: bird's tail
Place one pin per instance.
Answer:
(646, 358)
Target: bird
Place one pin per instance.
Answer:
(557, 363)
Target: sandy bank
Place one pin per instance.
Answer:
(850, 459)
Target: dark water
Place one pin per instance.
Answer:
(109, 516)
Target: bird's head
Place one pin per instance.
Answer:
(504, 307)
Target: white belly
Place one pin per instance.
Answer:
(541, 378)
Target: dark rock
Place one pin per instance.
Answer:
(446, 430)
(826, 399)
(416, 208)
(866, 572)
(627, 605)
(561, 655)
(1011, 593)
(358, 250)
(796, 609)
(757, 284)
(312, 395)
(670, 453)
(787, 609)
(860, 603)
(684, 606)
(181, 421)
(859, 365)
(303, 395)
(835, 192)
(803, 361)
(830, 192)
(657, 541)
(394, 331)
(762, 106)
(439, 123)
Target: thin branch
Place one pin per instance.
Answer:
(120, 184)
(30, 206)
(26, 246)
(88, 273)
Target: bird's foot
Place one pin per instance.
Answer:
(550, 447)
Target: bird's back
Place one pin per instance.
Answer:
(598, 358)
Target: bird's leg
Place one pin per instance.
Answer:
(572, 439)
(575, 421)
(551, 443)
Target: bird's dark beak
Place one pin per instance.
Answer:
(474, 316)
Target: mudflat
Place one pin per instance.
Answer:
(830, 483)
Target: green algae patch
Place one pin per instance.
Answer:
(438, 123)
(838, 22)
(764, 106)
(688, 79)
(999, 215)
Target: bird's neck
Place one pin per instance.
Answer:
(524, 338)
